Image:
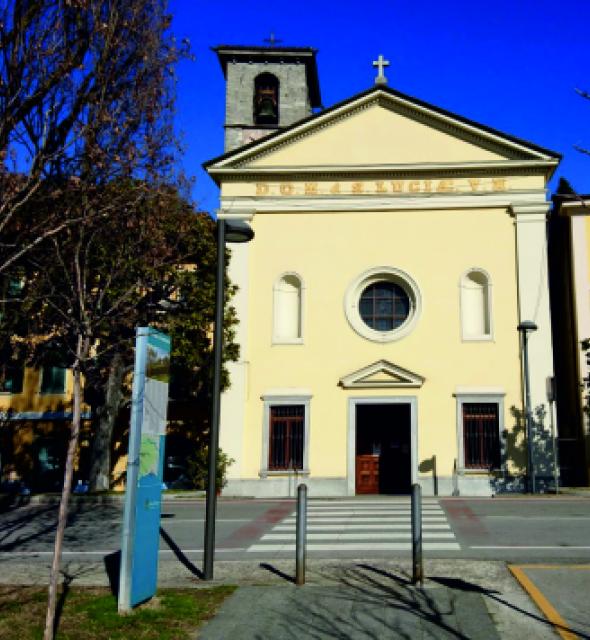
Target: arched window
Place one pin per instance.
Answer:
(266, 99)
(288, 302)
(476, 317)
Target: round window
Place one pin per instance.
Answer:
(383, 304)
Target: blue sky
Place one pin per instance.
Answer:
(512, 64)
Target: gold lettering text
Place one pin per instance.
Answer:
(311, 188)
(380, 187)
(445, 186)
(286, 189)
(357, 187)
(397, 186)
(499, 184)
(474, 183)
(261, 189)
(427, 186)
(414, 186)
(335, 188)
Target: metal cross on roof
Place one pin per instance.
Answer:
(272, 40)
(381, 63)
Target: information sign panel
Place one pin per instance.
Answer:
(145, 466)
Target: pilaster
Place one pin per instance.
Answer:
(233, 399)
(533, 304)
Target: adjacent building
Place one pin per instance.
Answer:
(569, 248)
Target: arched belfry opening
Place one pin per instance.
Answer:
(266, 99)
(268, 88)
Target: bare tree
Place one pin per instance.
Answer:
(82, 92)
(86, 99)
(586, 96)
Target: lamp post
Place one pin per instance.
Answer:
(524, 328)
(235, 232)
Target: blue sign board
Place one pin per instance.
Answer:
(145, 467)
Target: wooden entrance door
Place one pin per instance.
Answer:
(367, 474)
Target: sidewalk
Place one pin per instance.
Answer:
(171, 495)
(374, 600)
(360, 599)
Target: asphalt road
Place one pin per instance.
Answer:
(516, 529)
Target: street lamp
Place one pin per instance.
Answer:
(234, 231)
(524, 329)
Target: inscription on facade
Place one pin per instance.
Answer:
(366, 187)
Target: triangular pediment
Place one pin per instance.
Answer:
(381, 375)
(381, 128)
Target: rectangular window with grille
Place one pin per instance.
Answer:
(481, 436)
(287, 423)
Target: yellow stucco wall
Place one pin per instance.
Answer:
(329, 251)
(32, 400)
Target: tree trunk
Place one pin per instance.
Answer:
(81, 354)
(106, 416)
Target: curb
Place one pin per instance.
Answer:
(54, 498)
(118, 498)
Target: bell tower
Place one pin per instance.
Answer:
(267, 88)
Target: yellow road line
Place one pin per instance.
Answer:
(549, 611)
(578, 567)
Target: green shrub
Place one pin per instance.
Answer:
(197, 466)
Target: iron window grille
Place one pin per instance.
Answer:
(287, 423)
(481, 435)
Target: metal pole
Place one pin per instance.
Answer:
(434, 476)
(527, 388)
(211, 496)
(554, 442)
(417, 565)
(301, 534)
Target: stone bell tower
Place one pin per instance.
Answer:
(267, 88)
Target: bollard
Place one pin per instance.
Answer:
(434, 476)
(417, 566)
(301, 534)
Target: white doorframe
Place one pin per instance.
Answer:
(351, 462)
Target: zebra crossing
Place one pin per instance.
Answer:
(382, 524)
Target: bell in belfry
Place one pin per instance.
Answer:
(266, 103)
(267, 107)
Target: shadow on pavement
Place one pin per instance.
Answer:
(33, 527)
(177, 551)
(18, 528)
(459, 584)
(364, 602)
(277, 572)
(357, 603)
(112, 566)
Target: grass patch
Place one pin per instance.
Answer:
(91, 614)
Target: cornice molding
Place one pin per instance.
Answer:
(500, 167)
(241, 207)
(527, 211)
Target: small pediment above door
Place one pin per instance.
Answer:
(381, 375)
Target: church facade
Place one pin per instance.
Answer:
(397, 248)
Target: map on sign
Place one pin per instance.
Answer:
(149, 455)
